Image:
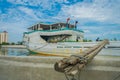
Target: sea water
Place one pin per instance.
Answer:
(110, 51)
(14, 51)
(25, 52)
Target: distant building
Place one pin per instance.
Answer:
(3, 37)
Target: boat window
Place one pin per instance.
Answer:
(55, 38)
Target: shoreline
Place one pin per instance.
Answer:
(13, 46)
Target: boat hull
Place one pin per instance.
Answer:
(59, 49)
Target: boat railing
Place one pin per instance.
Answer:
(53, 30)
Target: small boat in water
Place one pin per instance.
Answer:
(54, 39)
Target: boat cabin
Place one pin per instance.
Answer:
(55, 26)
(52, 33)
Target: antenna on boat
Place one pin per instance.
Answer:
(68, 19)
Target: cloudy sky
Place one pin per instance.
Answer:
(97, 18)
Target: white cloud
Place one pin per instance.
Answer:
(99, 10)
(86, 31)
(92, 36)
(46, 4)
(107, 11)
(29, 12)
(61, 1)
(115, 32)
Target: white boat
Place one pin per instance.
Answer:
(59, 39)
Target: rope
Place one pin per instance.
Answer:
(66, 76)
(118, 76)
(73, 78)
(69, 65)
(79, 74)
(82, 59)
